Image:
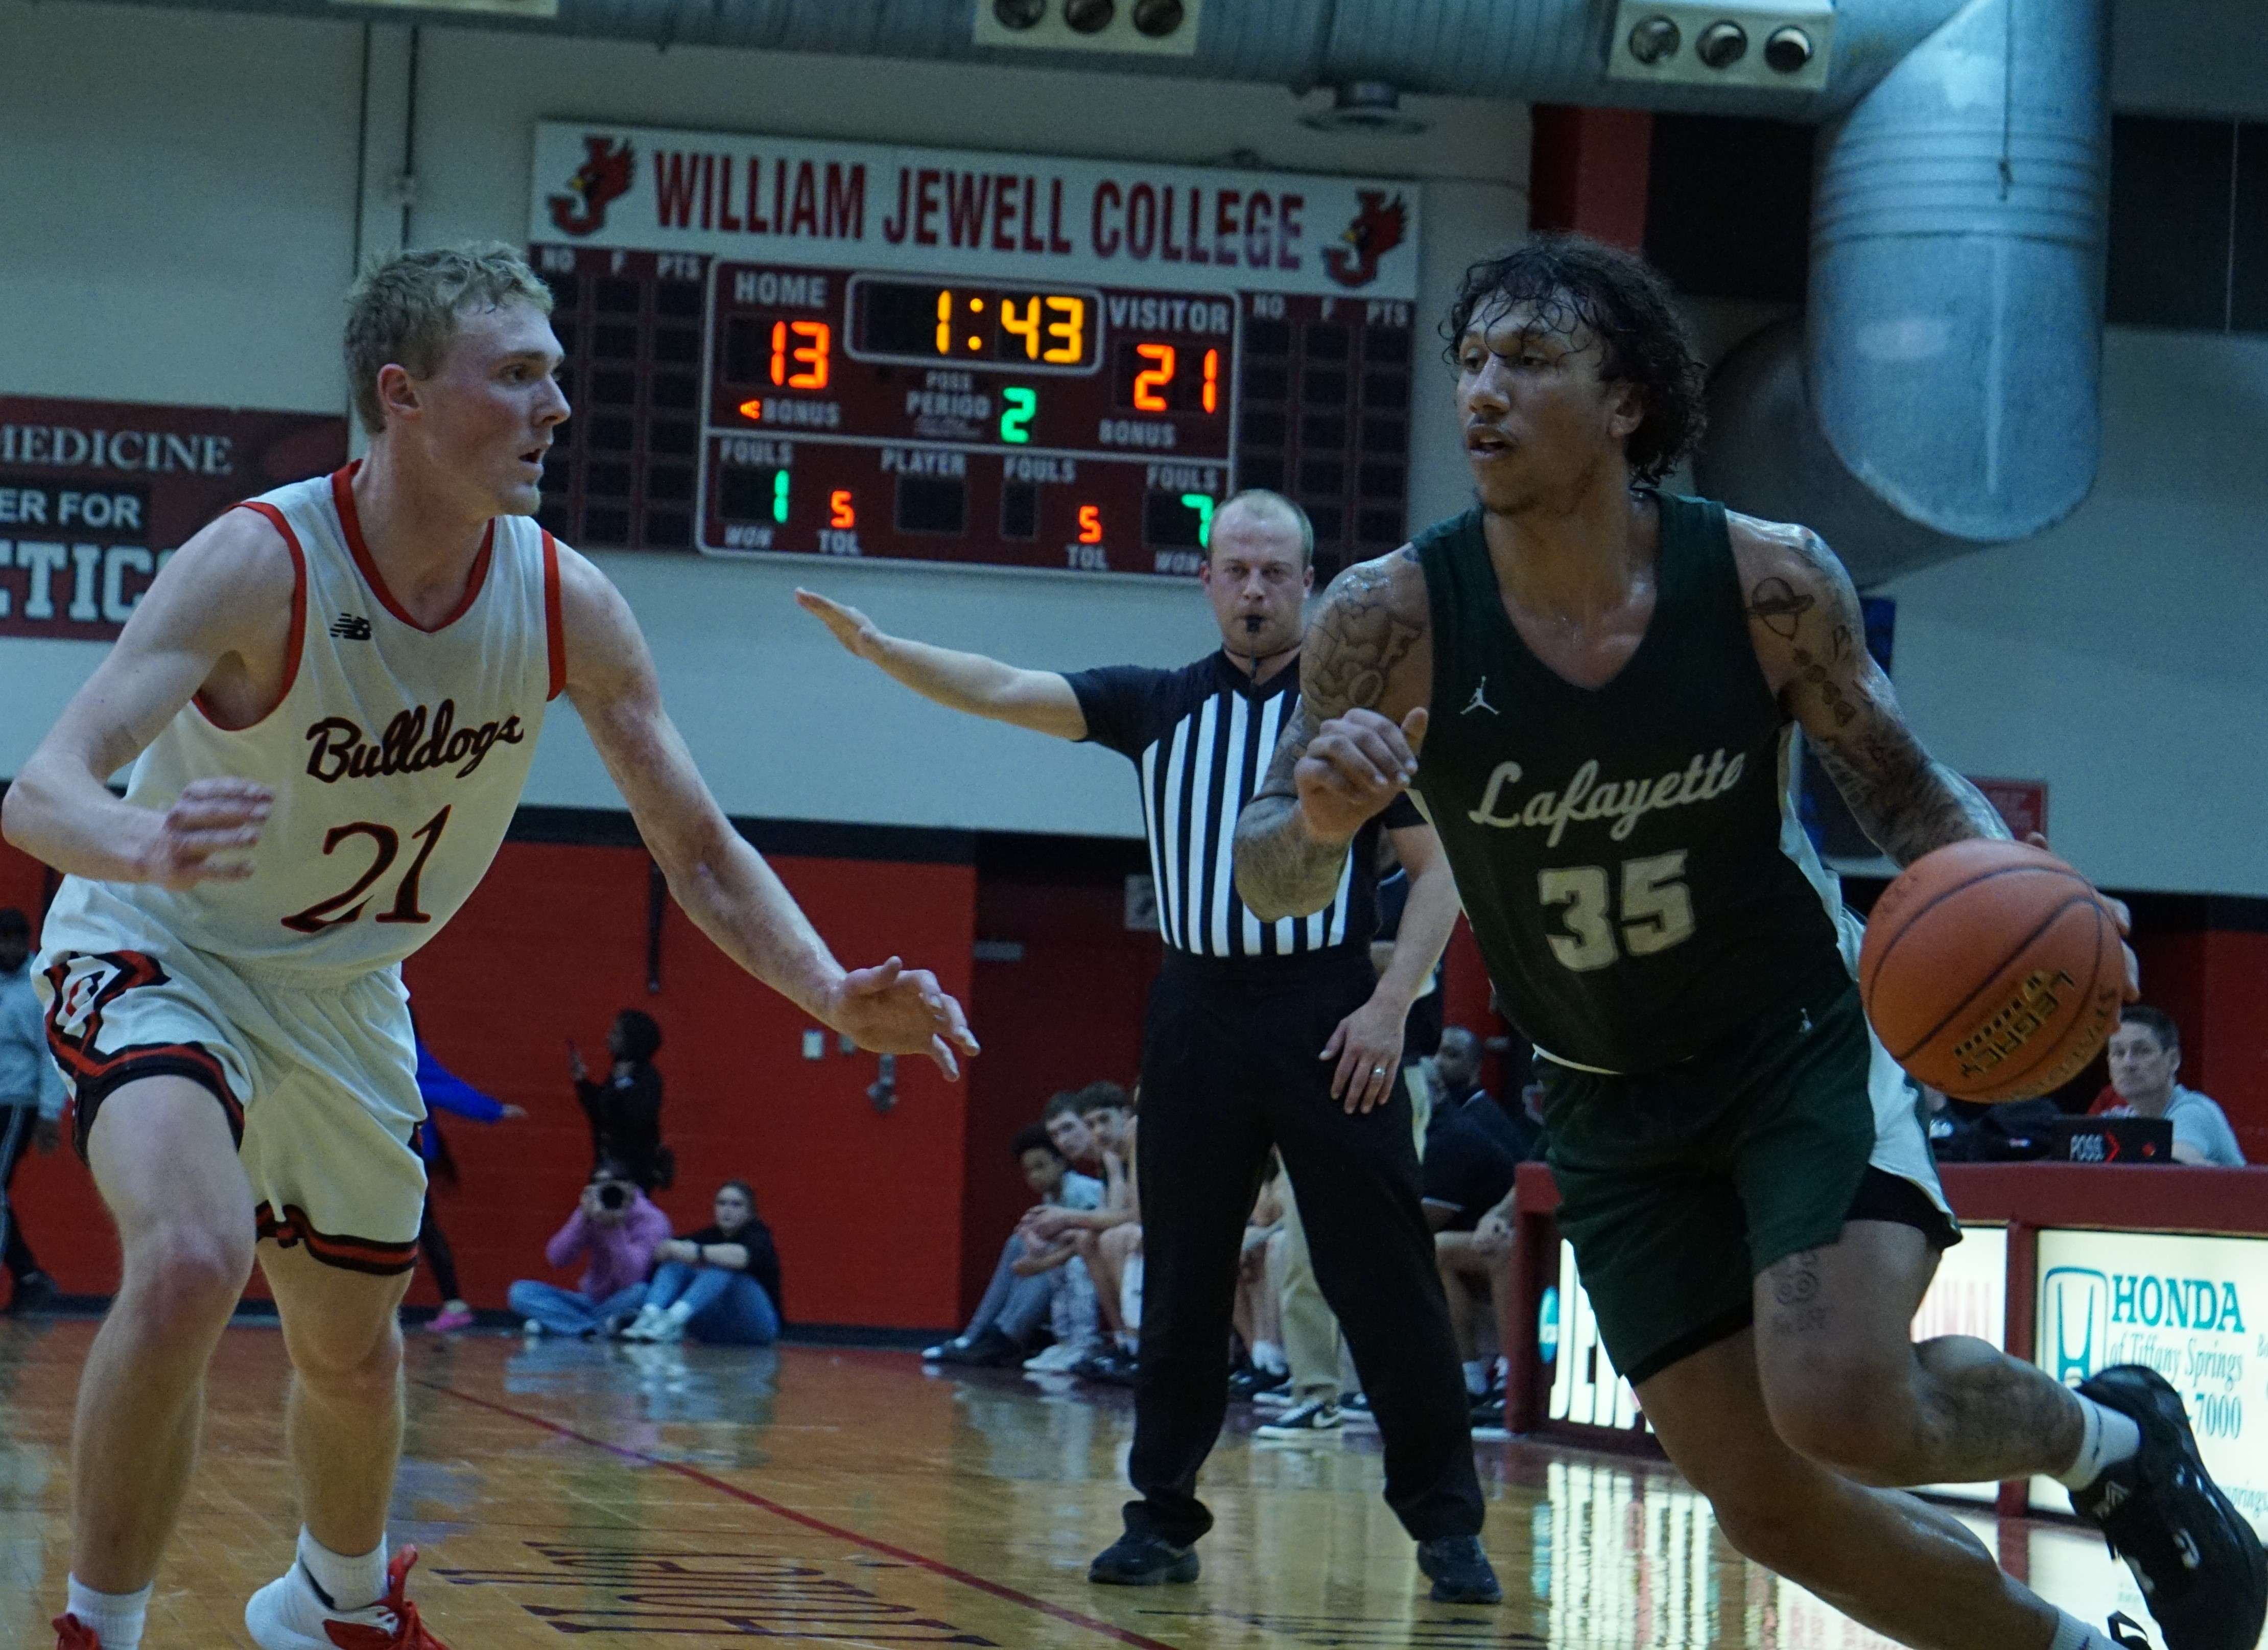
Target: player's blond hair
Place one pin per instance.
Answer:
(403, 310)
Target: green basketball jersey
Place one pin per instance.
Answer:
(1627, 854)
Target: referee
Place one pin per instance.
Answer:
(1258, 1033)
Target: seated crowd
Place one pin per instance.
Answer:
(720, 1284)
(1064, 1300)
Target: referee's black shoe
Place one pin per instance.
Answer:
(1135, 1560)
(2199, 1564)
(1460, 1572)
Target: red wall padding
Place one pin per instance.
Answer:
(2214, 982)
(867, 1207)
(1068, 1012)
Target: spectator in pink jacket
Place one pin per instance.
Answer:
(616, 1231)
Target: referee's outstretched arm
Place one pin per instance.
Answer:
(1038, 699)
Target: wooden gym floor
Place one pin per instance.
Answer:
(567, 1492)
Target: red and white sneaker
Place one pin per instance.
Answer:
(73, 1636)
(288, 1614)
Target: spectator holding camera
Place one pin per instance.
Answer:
(720, 1284)
(614, 1232)
(625, 1110)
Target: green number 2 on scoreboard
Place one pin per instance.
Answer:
(1017, 414)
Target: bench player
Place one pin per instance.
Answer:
(335, 693)
(1606, 679)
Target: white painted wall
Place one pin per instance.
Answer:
(178, 222)
(2119, 656)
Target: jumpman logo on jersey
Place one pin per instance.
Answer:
(351, 627)
(1479, 701)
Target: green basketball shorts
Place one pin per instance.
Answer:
(1679, 1186)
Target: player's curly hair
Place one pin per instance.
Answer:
(1576, 282)
(403, 310)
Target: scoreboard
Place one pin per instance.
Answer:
(781, 347)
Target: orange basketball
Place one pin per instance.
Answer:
(1992, 970)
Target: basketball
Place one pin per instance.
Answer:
(1992, 970)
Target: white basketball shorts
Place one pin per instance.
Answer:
(319, 1080)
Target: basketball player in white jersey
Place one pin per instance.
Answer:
(334, 693)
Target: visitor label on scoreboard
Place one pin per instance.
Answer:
(95, 496)
(2193, 1308)
(840, 349)
(781, 200)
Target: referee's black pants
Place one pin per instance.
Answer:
(1230, 1066)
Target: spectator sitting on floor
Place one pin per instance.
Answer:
(625, 1110)
(1109, 1238)
(1023, 1286)
(1469, 1200)
(1258, 1316)
(2145, 1055)
(1066, 1126)
(719, 1285)
(616, 1231)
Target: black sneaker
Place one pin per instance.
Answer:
(36, 1291)
(2197, 1561)
(1308, 1420)
(991, 1349)
(1250, 1380)
(1460, 1571)
(1488, 1414)
(1135, 1560)
(1107, 1366)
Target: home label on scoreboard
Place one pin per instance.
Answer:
(780, 348)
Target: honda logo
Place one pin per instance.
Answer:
(2074, 1321)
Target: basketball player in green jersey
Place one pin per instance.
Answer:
(1605, 680)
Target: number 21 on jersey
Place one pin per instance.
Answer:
(1656, 910)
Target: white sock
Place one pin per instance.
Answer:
(1268, 1356)
(117, 1617)
(2072, 1633)
(350, 1584)
(675, 1312)
(2108, 1438)
(1476, 1376)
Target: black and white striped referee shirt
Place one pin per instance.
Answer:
(1201, 738)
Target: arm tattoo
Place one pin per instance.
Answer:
(1353, 645)
(1906, 803)
(1280, 870)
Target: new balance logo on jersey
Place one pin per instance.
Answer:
(1479, 701)
(1703, 780)
(351, 627)
(344, 751)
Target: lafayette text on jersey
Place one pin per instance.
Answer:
(1634, 874)
(1201, 739)
(396, 754)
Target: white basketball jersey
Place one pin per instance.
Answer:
(396, 755)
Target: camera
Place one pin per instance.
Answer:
(613, 1195)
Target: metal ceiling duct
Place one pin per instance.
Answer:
(1942, 394)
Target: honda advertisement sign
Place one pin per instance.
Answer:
(2193, 1308)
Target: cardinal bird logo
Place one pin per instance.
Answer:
(602, 178)
(1378, 228)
